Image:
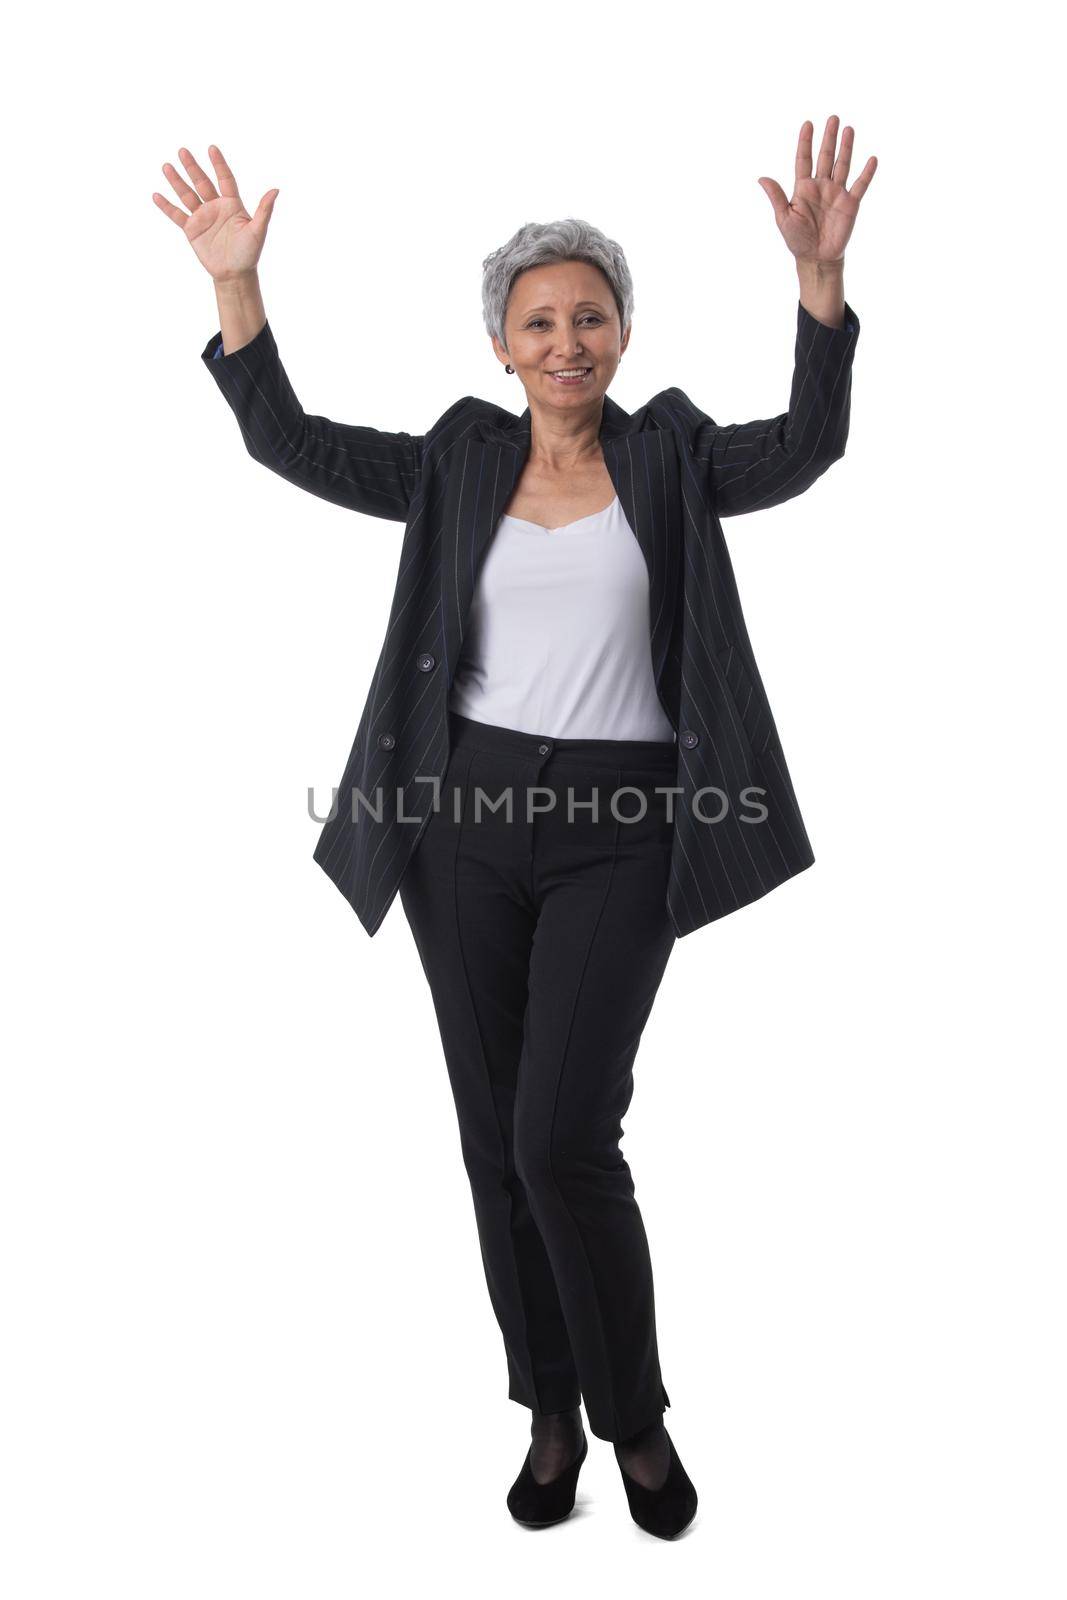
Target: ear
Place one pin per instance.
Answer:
(625, 340)
(499, 350)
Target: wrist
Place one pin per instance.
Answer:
(820, 271)
(822, 291)
(237, 284)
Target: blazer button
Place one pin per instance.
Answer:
(688, 739)
(386, 741)
(543, 749)
(427, 662)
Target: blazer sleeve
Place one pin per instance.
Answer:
(748, 466)
(362, 469)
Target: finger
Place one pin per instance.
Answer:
(264, 211)
(186, 195)
(802, 164)
(859, 188)
(826, 150)
(180, 217)
(844, 159)
(201, 182)
(775, 194)
(227, 181)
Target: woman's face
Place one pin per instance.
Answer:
(561, 316)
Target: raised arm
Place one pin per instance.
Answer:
(747, 466)
(361, 468)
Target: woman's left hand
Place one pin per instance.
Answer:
(817, 222)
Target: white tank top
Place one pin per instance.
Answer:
(558, 637)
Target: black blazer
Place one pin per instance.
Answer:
(676, 473)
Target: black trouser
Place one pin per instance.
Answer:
(544, 941)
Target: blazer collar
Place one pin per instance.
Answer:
(497, 426)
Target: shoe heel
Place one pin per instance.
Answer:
(539, 1505)
(670, 1508)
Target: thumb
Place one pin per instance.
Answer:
(264, 210)
(775, 194)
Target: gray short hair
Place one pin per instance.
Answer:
(538, 244)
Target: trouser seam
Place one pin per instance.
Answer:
(605, 1346)
(505, 1161)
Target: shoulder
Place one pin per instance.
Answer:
(456, 409)
(674, 407)
(463, 418)
(469, 405)
(450, 427)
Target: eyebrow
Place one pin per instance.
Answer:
(595, 303)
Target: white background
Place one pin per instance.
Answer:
(248, 1348)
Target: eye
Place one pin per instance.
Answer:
(589, 316)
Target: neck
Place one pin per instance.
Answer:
(561, 443)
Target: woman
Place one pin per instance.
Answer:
(565, 656)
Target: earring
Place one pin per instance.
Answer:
(508, 367)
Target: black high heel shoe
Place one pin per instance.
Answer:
(539, 1505)
(667, 1510)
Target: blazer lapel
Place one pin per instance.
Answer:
(643, 468)
(477, 489)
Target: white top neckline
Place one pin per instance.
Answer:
(565, 526)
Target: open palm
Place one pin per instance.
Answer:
(226, 239)
(817, 223)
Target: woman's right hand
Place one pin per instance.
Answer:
(226, 239)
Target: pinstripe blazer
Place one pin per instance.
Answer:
(738, 832)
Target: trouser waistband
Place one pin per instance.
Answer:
(466, 733)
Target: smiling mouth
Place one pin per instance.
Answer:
(570, 374)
